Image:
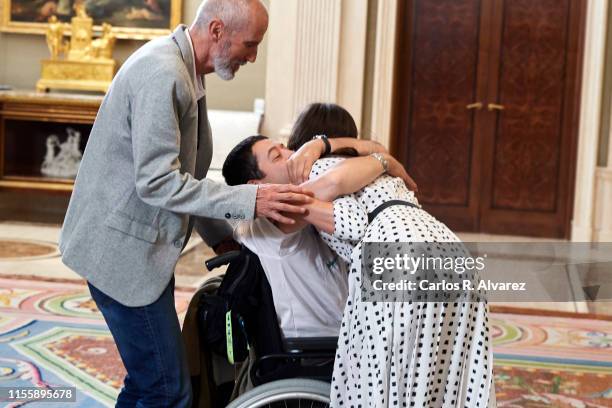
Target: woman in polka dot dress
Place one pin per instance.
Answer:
(398, 354)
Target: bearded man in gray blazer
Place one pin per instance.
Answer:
(141, 188)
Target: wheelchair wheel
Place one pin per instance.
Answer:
(295, 392)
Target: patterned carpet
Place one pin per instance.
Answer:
(51, 334)
(547, 361)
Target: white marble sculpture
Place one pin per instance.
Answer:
(66, 163)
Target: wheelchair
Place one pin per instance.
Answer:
(302, 368)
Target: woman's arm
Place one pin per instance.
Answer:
(363, 147)
(352, 175)
(300, 163)
(346, 177)
(318, 213)
(345, 219)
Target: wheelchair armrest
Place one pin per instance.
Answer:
(308, 344)
(221, 260)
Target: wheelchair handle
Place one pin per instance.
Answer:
(221, 260)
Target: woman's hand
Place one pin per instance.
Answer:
(397, 170)
(300, 163)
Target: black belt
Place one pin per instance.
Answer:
(386, 205)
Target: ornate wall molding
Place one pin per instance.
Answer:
(585, 202)
(352, 62)
(609, 161)
(602, 230)
(316, 54)
(384, 71)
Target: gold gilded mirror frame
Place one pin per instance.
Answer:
(121, 32)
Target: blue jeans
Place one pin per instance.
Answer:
(152, 350)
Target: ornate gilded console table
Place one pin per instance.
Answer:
(42, 137)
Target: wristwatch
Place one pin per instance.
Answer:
(326, 142)
(382, 160)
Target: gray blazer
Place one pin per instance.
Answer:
(142, 175)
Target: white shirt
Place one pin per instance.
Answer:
(198, 83)
(308, 282)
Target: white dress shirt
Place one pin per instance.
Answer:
(309, 283)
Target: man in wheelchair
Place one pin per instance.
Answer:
(307, 281)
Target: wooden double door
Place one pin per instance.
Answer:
(487, 111)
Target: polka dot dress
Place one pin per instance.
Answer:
(403, 354)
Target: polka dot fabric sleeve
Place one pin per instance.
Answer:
(350, 219)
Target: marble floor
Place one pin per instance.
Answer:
(190, 271)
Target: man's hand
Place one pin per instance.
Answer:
(300, 163)
(397, 170)
(272, 199)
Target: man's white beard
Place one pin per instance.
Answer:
(223, 63)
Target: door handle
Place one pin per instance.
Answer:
(475, 105)
(494, 106)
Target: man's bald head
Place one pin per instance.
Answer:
(236, 15)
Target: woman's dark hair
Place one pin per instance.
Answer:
(240, 166)
(322, 119)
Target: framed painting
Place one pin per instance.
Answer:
(131, 19)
